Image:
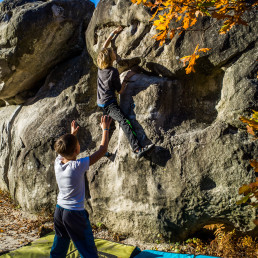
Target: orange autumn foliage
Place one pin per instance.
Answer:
(250, 191)
(192, 59)
(186, 12)
(252, 123)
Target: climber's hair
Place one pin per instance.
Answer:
(66, 145)
(105, 58)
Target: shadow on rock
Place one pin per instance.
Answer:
(158, 156)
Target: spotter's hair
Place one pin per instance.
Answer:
(105, 58)
(66, 145)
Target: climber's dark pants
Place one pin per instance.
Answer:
(75, 225)
(114, 111)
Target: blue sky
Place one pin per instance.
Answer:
(94, 1)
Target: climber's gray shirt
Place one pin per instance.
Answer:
(71, 183)
(108, 83)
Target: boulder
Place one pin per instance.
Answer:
(45, 41)
(202, 150)
(30, 130)
(136, 45)
(189, 180)
(36, 36)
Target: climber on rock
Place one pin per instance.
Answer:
(108, 83)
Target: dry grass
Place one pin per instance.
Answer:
(18, 228)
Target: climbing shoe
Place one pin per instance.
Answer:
(144, 150)
(108, 154)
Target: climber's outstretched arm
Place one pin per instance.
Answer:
(112, 34)
(105, 125)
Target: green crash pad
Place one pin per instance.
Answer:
(41, 249)
(107, 249)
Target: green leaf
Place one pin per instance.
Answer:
(244, 199)
(208, 4)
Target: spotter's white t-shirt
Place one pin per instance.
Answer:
(71, 183)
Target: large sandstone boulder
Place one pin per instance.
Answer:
(45, 66)
(35, 36)
(191, 179)
(30, 130)
(202, 151)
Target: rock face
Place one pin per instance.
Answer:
(135, 43)
(202, 151)
(57, 74)
(201, 156)
(28, 133)
(191, 179)
(35, 36)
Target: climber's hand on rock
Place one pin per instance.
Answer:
(118, 29)
(126, 80)
(129, 75)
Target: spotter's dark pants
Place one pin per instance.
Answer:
(114, 111)
(75, 225)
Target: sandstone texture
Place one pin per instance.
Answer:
(28, 130)
(202, 150)
(35, 36)
(135, 44)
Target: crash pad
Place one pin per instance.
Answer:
(41, 249)
(158, 254)
(107, 249)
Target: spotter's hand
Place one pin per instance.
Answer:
(74, 128)
(105, 122)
